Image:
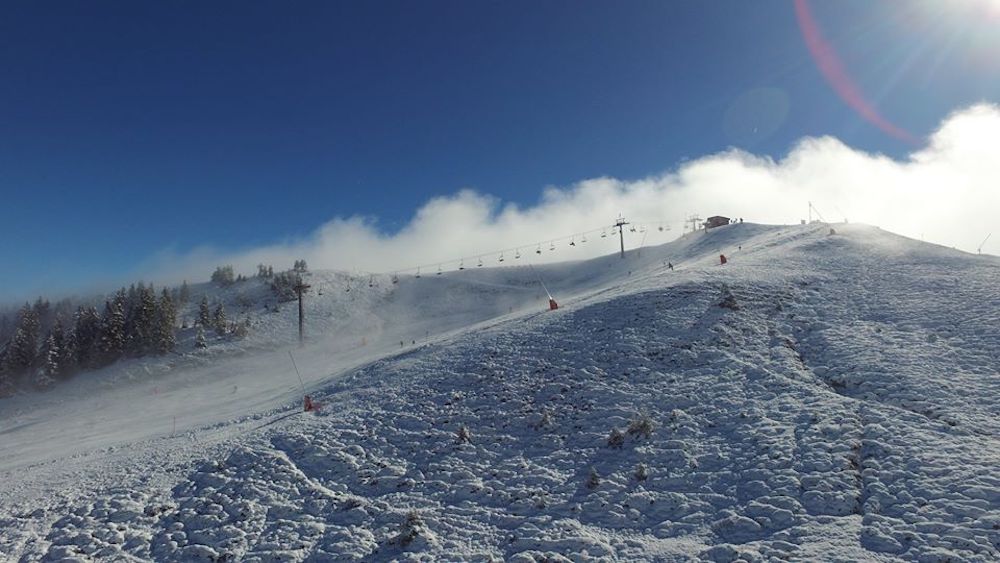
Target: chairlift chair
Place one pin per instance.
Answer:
(517, 254)
(480, 264)
(439, 270)
(371, 281)
(395, 278)
(552, 246)
(461, 264)
(583, 239)
(633, 228)
(418, 274)
(539, 249)
(604, 234)
(501, 257)
(572, 242)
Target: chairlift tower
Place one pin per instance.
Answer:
(301, 288)
(695, 220)
(621, 232)
(811, 209)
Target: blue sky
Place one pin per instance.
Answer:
(130, 128)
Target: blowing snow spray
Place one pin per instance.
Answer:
(552, 302)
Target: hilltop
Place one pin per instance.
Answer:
(832, 391)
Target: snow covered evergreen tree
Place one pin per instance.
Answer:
(68, 360)
(112, 339)
(219, 320)
(6, 376)
(63, 356)
(23, 348)
(204, 313)
(46, 374)
(224, 276)
(87, 333)
(166, 320)
(143, 334)
(184, 295)
(199, 339)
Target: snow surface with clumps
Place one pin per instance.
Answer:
(820, 397)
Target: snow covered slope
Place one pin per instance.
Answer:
(822, 396)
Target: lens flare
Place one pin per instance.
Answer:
(836, 74)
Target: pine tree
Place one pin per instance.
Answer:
(199, 340)
(6, 376)
(23, 349)
(45, 375)
(63, 344)
(87, 333)
(144, 335)
(204, 313)
(42, 309)
(166, 320)
(68, 359)
(185, 294)
(224, 276)
(220, 320)
(112, 339)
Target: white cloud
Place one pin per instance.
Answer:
(946, 192)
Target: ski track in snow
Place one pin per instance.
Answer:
(820, 397)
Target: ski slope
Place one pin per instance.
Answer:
(821, 396)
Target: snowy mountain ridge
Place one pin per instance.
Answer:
(820, 396)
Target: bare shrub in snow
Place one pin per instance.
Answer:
(545, 421)
(641, 472)
(593, 479)
(411, 527)
(727, 300)
(463, 436)
(352, 503)
(616, 439)
(641, 425)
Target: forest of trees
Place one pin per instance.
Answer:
(48, 343)
(42, 344)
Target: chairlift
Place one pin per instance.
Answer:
(583, 239)
(461, 264)
(642, 229)
(501, 257)
(517, 254)
(439, 270)
(371, 281)
(552, 246)
(633, 228)
(539, 249)
(480, 264)
(395, 278)
(572, 242)
(418, 274)
(604, 234)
